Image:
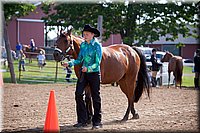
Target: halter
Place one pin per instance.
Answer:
(63, 54)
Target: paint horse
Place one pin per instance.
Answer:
(120, 63)
(175, 65)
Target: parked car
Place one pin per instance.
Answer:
(188, 61)
(146, 51)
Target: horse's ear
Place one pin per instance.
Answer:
(62, 33)
(69, 29)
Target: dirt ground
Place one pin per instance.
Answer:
(168, 110)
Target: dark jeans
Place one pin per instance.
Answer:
(93, 79)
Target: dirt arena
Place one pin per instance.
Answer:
(168, 110)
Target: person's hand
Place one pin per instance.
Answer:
(65, 64)
(84, 69)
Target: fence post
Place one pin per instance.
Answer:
(19, 75)
(56, 72)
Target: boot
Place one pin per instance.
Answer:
(196, 83)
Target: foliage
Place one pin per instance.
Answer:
(135, 22)
(17, 10)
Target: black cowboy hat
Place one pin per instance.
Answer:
(89, 28)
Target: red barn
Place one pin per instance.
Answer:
(24, 28)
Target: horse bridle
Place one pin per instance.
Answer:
(64, 54)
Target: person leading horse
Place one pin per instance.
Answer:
(120, 63)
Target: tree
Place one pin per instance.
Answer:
(13, 10)
(139, 22)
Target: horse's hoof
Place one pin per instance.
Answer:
(136, 116)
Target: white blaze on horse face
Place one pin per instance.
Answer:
(70, 44)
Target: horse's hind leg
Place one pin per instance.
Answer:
(134, 113)
(125, 118)
(128, 89)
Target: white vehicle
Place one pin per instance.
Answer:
(146, 51)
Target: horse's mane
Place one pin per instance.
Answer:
(78, 38)
(170, 54)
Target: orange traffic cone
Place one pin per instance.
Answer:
(51, 122)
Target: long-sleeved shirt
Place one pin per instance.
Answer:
(90, 55)
(155, 64)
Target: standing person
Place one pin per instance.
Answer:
(197, 69)
(41, 59)
(22, 58)
(90, 56)
(32, 44)
(18, 49)
(155, 67)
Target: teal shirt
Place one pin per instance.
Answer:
(90, 55)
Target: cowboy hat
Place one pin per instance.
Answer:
(89, 28)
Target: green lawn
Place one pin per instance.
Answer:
(188, 81)
(187, 69)
(47, 74)
(34, 75)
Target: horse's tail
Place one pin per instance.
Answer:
(143, 81)
(179, 71)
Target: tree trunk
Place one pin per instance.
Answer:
(8, 51)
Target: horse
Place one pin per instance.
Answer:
(175, 65)
(120, 63)
(29, 53)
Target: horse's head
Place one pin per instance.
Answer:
(25, 47)
(166, 57)
(64, 46)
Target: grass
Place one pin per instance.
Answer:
(47, 74)
(33, 75)
(187, 70)
(188, 81)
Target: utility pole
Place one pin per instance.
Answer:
(100, 27)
